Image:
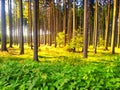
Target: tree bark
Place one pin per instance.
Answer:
(10, 22)
(64, 21)
(21, 28)
(35, 30)
(30, 25)
(113, 28)
(3, 25)
(107, 25)
(85, 42)
(96, 26)
(118, 40)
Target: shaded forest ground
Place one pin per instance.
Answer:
(59, 69)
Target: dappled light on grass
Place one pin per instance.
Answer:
(59, 69)
(51, 54)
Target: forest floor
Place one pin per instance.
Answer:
(59, 69)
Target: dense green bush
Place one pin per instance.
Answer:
(59, 75)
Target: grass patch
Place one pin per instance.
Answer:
(59, 70)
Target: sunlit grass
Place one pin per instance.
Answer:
(51, 54)
(59, 69)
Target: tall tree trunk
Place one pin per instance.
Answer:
(21, 28)
(107, 25)
(35, 30)
(74, 31)
(45, 28)
(118, 40)
(29, 24)
(74, 24)
(113, 28)
(16, 25)
(54, 21)
(85, 43)
(3, 25)
(57, 23)
(69, 24)
(38, 23)
(64, 21)
(96, 26)
(10, 22)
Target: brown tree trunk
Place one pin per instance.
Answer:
(118, 40)
(107, 25)
(64, 21)
(30, 25)
(10, 22)
(69, 21)
(21, 28)
(35, 30)
(45, 28)
(85, 42)
(113, 28)
(3, 25)
(96, 26)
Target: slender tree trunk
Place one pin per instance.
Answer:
(69, 23)
(21, 28)
(57, 23)
(107, 25)
(64, 21)
(85, 43)
(96, 26)
(38, 23)
(10, 22)
(29, 24)
(3, 25)
(45, 29)
(54, 21)
(118, 40)
(74, 31)
(16, 25)
(35, 30)
(74, 24)
(113, 28)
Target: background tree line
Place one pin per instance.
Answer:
(76, 24)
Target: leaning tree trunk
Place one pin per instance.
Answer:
(10, 22)
(21, 28)
(3, 25)
(113, 28)
(35, 30)
(85, 42)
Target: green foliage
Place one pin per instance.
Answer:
(60, 75)
(60, 39)
(76, 42)
(101, 42)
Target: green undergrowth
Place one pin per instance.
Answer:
(80, 75)
(59, 70)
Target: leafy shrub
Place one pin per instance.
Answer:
(60, 39)
(76, 42)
